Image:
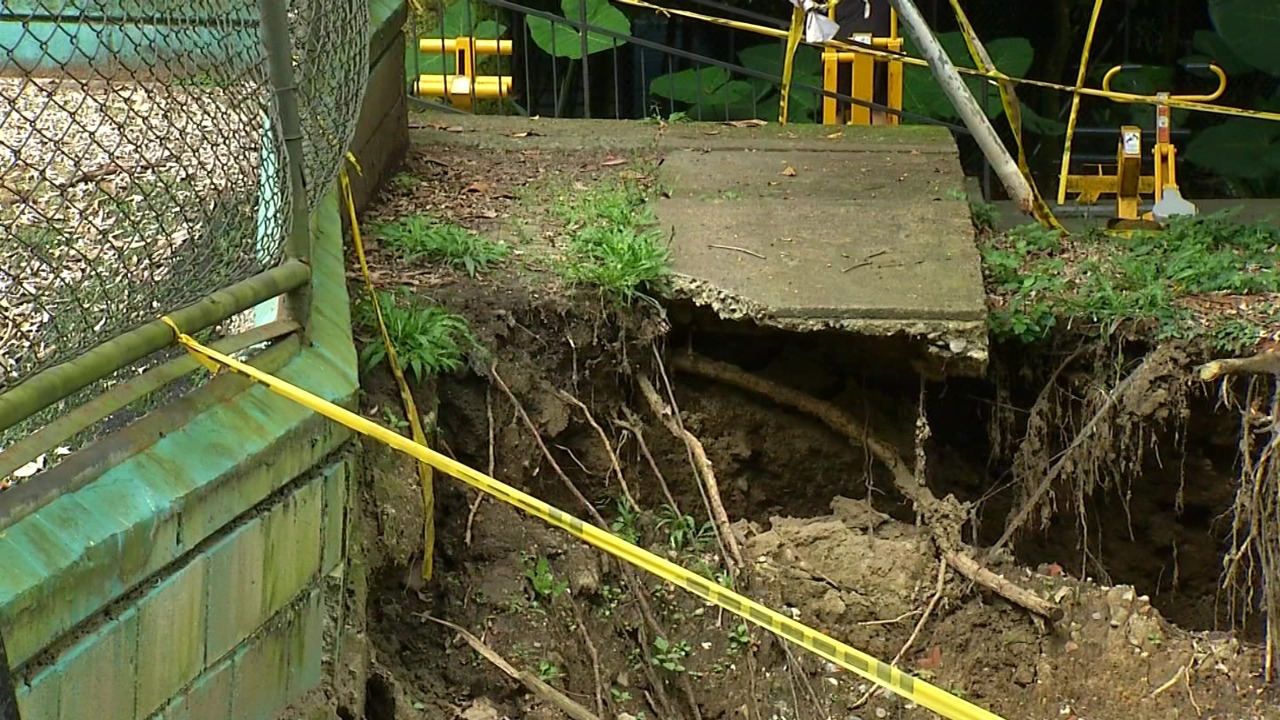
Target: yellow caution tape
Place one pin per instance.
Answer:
(1013, 113)
(994, 76)
(856, 661)
(425, 478)
(793, 41)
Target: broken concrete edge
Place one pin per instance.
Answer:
(950, 348)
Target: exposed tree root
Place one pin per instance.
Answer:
(608, 446)
(943, 518)
(703, 470)
(628, 573)
(632, 425)
(1251, 567)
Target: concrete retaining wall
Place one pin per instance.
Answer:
(202, 573)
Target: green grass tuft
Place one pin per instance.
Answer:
(428, 339)
(613, 243)
(1146, 279)
(420, 238)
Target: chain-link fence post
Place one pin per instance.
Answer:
(279, 53)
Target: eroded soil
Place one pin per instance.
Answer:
(824, 534)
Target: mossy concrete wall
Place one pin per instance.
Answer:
(203, 572)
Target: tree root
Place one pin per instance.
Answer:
(632, 425)
(702, 470)
(608, 446)
(548, 694)
(943, 518)
(628, 572)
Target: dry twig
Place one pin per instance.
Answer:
(591, 651)
(915, 632)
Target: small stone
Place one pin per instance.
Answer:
(626, 716)
(1071, 646)
(833, 682)
(882, 713)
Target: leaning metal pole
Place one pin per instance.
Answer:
(974, 117)
(278, 45)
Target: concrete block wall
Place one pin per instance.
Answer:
(202, 573)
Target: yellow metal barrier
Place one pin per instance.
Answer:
(863, 75)
(462, 86)
(1128, 184)
(863, 67)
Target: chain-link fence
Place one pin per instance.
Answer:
(139, 171)
(144, 166)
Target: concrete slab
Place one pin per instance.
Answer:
(866, 237)
(803, 227)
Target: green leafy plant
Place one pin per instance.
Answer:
(566, 41)
(1140, 280)
(428, 339)
(626, 524)
(683, 531)
(670, 656)
(739, 637)
(549, 671)
(619, 695)
(420, 238)
(543, 581)
(1011, 55)
(713, 93)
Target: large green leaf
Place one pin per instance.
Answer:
(1238, 148)
(806, 70)
(1212, 47)
(708, 88)
(1252, 29)
(566, 42)
(921, 94)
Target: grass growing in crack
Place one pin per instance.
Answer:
(1148, 279)
(613, 242)
(428, 339)
(422, 238)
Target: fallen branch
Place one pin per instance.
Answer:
(703, 469)
(974, 571)
(552, 696)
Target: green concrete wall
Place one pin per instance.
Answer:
(203, 574)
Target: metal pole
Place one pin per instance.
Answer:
(975, 118)
(8, 693)
(279, 51)
(586, 75)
